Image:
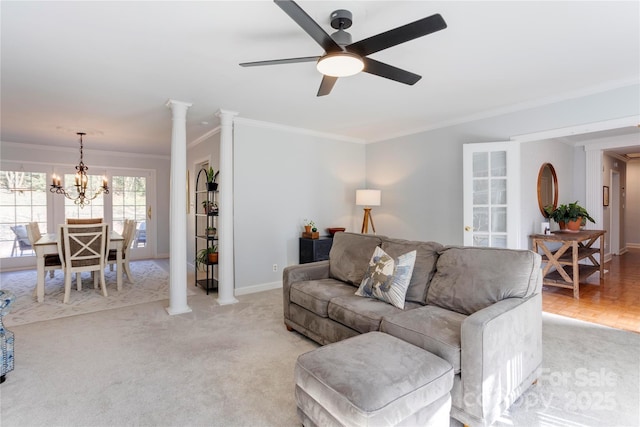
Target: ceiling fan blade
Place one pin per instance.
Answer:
(311, 27)
(326, 85)
(281, 61)
(387, 71)
(399, 35)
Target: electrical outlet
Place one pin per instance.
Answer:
(275, 267)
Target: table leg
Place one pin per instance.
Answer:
(576, 271)
(41, 273)
(119, 266)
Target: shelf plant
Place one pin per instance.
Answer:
(212, 175)
(206, 256)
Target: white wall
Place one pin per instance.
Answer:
(205, 150)
(282, 176)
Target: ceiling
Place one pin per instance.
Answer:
(108, 68)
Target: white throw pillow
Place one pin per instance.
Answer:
(388, 279)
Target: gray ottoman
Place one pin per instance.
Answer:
(373, 379)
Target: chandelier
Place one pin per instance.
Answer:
(82, 180)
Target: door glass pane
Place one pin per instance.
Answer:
(23, 199)
(130, 202)
(499, 191)
(480, 192)
(481, 219)
(499, 241)
(481, 240)
(480, 165)
(499, 220)
(498, 163)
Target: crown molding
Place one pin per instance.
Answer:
(541, 102)
(76, 150)
(629, 121)
(204, 136)
(285, 128)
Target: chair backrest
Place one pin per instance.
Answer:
(128, 231)
(21, 236)
(33, 232)
(83, 247)
(84, 220)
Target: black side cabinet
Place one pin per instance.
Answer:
(312, 250)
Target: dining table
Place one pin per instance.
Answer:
(48, 244)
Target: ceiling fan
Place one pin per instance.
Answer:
(342, 57)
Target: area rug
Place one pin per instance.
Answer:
(150, 283)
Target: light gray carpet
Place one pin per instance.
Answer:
(233, 366)
(150, 283)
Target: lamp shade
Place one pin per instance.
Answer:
(368, 197)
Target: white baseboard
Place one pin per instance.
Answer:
(633, 245)
(257, 288)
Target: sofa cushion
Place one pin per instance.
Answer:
(362, 314)
(424, 267)
(349, 256)
(387, 279)
(468, 279)
(314, 295)
(430, 327)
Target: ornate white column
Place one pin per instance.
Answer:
(593, 202)
(226, 277)
(177, 211)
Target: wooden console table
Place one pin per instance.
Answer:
(574, 247)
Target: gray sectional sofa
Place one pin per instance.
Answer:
(480, 309)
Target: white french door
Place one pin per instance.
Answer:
(132, 196)
(491, 182)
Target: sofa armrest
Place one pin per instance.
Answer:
(501, 354)
(301, 273)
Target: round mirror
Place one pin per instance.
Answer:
(547, 188)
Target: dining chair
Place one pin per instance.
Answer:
(84, 220)
(141, 234)
(21, 240)
(128, 231)
(52, 261)
(83, 247)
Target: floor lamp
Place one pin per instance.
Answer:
(367, 198)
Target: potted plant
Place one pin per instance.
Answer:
(209, 207)
(212, 175)
(309, 226)
(206, 256)
(211, 231)
(570, 217)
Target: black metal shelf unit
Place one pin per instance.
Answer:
(206, 225)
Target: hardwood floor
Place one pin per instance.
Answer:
(614, 301)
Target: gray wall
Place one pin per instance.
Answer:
(281, 177)
(421, 174)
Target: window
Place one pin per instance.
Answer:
(23, 199)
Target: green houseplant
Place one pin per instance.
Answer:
(570, 216)
(206, 256)
(212, 175)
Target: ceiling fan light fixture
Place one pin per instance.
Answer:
(340, 64)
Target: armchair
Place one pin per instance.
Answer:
(6, 337)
